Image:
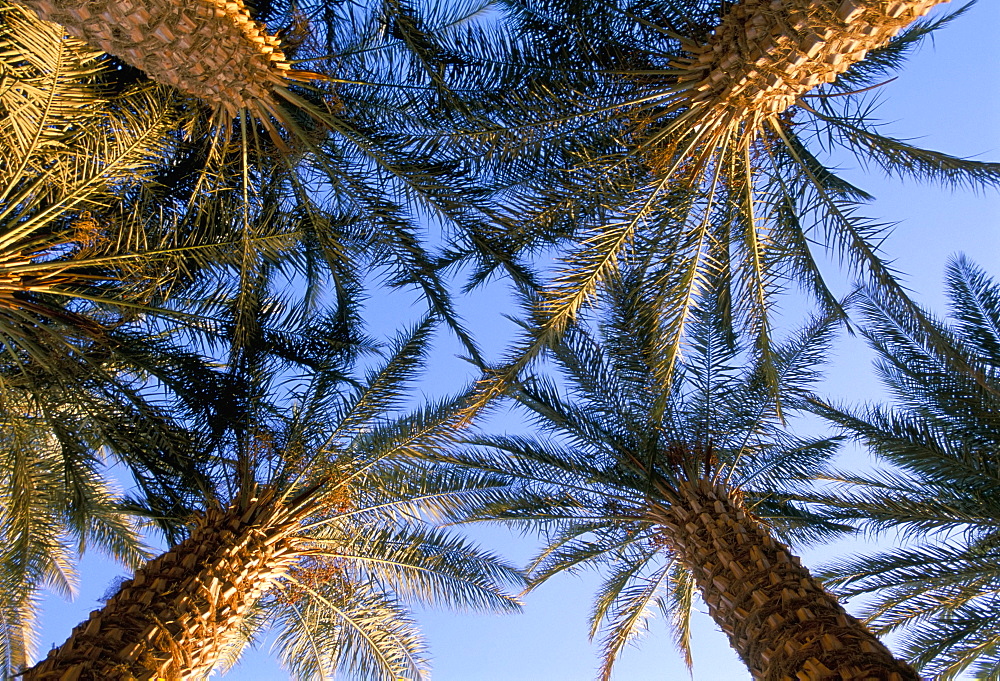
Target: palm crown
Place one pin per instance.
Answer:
(315, 527)
(639, 460)
(326, 173)
(82, 260)
(648, 132)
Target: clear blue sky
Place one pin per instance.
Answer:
(947, 98)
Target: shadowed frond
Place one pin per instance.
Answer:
(323, 537)
(694, 135)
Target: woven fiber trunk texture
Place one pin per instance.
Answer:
(174, 617)
(211, 49)
(766, 53)
(782, 622)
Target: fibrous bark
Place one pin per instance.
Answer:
(766, 53)
(176, 615)
(211, 49)
(782, 622)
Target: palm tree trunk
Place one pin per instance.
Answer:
(176, 615)
(782, 622)
(764, 54)
(211, 49)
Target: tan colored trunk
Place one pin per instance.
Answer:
(211, 49)
(782, 622)
(176, 615)
(766, 53)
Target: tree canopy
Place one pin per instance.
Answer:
(187, 267)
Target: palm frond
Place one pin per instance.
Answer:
(940, 439)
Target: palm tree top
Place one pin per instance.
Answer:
(212, 50)
(319, 525)
(359, 507)
(639, 146)
(624, 440)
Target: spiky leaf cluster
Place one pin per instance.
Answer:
(614, 146)
(366, 545)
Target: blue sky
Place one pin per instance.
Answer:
(946, 98)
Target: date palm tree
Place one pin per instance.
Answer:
(92, 326)
(351, 154)
(676, 486)
(317, 531)
(938, 489)
(698, 129)
(100, 300)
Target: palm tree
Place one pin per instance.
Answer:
(93, 326)
(695, 130)
(939, 491)
(674, 484)
(316, 530)
(99, 302)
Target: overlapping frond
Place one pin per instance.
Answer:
(365, 553)
(941, 438)
(50, 507)
(321, 516)
(694, 132)
(341, 626)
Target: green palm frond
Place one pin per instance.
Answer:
(634, 606)
(975, 304)
(850, 130)
(940, 437)
(384, 389)
(419, 564)
(326, 627)
(51, 508)
(622, 164)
